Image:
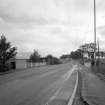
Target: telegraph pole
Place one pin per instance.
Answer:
(95, 32)
(98, 52)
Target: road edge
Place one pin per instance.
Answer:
(74, 91)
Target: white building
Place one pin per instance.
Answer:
(21, 63)
(18, 63)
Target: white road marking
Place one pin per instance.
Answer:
(53, 97)
(74, 92)
(65, 77)
(68, 74)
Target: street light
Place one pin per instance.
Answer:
(95, 32)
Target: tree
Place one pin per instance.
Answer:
(49, 59)
(56, 61)
(6, 53)
(35, 56)
(64, 56)
(52, 60)
(76, 54)
(88, 48)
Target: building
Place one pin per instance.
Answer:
(21, 63)
(25, 63)
(18, 63)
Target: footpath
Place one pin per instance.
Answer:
(93, 88)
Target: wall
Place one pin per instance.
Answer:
(21, 63)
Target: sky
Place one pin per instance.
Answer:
(50, 26)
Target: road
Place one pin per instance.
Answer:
(35, 86)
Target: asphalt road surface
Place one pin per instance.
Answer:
(34, 86)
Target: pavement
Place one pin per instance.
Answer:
(39, 86)
(93, 88)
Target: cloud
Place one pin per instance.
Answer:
(52, 26)
(29, 11)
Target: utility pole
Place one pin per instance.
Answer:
(98, 49)
(94, 32)
(98, 52)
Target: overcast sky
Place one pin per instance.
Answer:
(51, 26)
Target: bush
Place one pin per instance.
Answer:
(4, 68)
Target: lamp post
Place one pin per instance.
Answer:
(94, 32)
